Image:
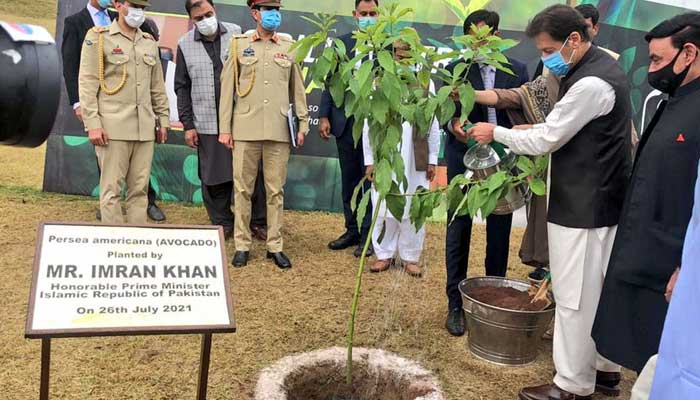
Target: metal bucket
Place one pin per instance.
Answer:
(498, 335)
(483, 161)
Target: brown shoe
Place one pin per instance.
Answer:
(413, 269)
(380, 266)
(259, 232)
(606, 383)
(548, 392)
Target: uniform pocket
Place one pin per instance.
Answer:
(247, 69)
(285, 67)
(241, 108)
(149, 60)
(117, 59)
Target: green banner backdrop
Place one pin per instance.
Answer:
(314, 176)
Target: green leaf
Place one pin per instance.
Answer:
(399, 170)
(391, 88)
(496, 181)
(443, 94)
(458, 72)
(391, 139)
(538, 187)
(541, 164)
(382, 232)
(414, 211)
(353, 201)
(525, 165)
(474, 200)
(357, 133)
(340, 48)
(396, 204)
(490, 204)
(386, 60)
(362, 208)
(337, 89)
(467, 97)
(446, 112)
(380, 108)
(382, 177)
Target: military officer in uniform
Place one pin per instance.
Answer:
(259, 82)
(122, 95)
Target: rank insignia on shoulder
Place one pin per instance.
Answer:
(148, 36)
(249, 52)
(99, 29)
(117, 50)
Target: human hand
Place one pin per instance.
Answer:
(161, 135)
(430, 173)
(78, 114)
(301, 137)
(458, 131)
(324, 128)
(191, 138)
(227, 140)
(98, 137)
(482, 132)
(672, 284)
(369, 170)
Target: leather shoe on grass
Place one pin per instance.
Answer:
(548, 392)
(358, 251)
(606, 383)
(259, 232)
(344, 241)
(455, 322)
(155, 213)
(240, 259)
(380, 266)
(280, 260)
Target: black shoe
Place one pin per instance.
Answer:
(537, 276)
(345, 240)
(358, 251)
(280, 260)
(240, 259)
(455, 322)
(607, 383)
(155, 213)
(228, 232)
(98, 215)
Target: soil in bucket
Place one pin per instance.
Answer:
(507, 297)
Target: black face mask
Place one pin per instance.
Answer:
(665, 79)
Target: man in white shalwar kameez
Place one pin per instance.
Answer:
(587, 134)
(401, 236)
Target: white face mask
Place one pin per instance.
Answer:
(208, 26)
(135, 17)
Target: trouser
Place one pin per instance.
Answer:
(246, 159)
(124, 162)
(151, 191)
(219, 198)
(457, 245)
(578, 262)
(352, 170)
(642, 387)
(399, 236)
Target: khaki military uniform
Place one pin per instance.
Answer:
(126, 105)
(258, 83)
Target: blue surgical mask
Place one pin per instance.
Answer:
(104, 3)
(271, 19)
(366, 22)
(556, 64)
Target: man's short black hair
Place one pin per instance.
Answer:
(357, 2)
(682, 29)
(490, 18)
(589, 11)
(559, 21)
(190, 4)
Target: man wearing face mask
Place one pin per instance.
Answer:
(258, 83)
(587, 134)
(75, 27)
(201, 55)
(649, 243)
(333, 122)
(122, 94)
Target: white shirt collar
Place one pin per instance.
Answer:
(93, 10)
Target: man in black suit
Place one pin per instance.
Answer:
(497, 226)
(75, 28)
(352, 166)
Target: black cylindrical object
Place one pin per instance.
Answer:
(30, 79)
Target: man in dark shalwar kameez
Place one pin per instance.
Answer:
(649, 241)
